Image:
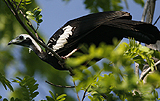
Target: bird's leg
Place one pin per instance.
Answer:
(68, 55)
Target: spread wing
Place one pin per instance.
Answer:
(100, 27)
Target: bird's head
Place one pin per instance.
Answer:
(22, 40)
(26, 41)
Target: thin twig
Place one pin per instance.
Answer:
(59, 85)
(88, 93)
(18, 5)
(14, 3)
(156, 20)
(84, 95)
(76, 92)
(9, 7)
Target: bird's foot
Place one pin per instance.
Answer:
(64, 57)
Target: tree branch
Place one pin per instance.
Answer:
(148, 69)
(150, 11)
(145, 11)
(148, 14)
(11, 7)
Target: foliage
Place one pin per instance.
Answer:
(107, 5)
(141, 2)
(35, 15)
(6, 83)
(99, 6)
(22, 3)
(140, 54)
(56, 98)
(28, 87)
(115, 79)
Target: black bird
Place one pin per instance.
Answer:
(90, 29)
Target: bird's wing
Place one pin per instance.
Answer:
(78, 28)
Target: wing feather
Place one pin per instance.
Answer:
(104, 26)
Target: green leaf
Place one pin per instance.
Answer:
(5, 99)
(29, 13)
(33, 88)
(33, 95)
(49, 98)
(61, 97)
(22, 3)
(141, 2)
(52, 95)
(6, 83)
(144, 48)
(37, 12)
(35, 15)
(19, 78)
(103, 5)
(29, 87)
(154, 79)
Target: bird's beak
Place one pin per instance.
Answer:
(14, 41)
(10, 42)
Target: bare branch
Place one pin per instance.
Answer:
(145, 10)
(147, 70)
(59, 85)
(150, 11)
(76, 92)
(137, 69)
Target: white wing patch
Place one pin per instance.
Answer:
(63, 38)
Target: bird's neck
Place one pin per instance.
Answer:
(46, 57)
(37, 49)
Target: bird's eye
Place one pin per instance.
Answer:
(21, 37)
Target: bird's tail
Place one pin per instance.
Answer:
(143, 32)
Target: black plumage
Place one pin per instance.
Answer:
(94, 29)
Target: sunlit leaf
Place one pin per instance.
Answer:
(141, 2)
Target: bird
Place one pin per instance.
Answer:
(90, 29)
